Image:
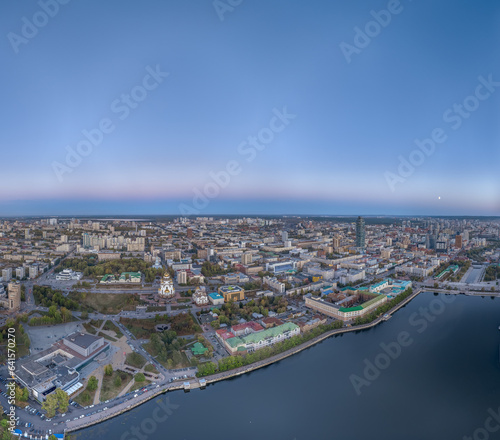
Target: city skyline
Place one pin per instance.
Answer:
(325, 121)
(197, 192)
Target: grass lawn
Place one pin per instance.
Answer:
(155, 309)
(111, 326)
(89, 328)
(120, 286)
(85, 398)
(107, 303)
(143, 328)
(105, 336)
(109, 390)
(150, 368)
(138, 385)
(181, 307)
(135, 360)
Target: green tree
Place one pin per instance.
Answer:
(62, 400)
(118, 381)
(85, 397)
(176, 357)
(92, 383)
(50, 405)
(52, 311)
(65, 314)
(108, 370)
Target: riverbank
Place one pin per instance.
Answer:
(463, 291)
(79, 424)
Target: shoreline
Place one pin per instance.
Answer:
(123, 408)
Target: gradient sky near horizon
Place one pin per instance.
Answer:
(353, 123)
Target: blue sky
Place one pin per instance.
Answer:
(353, 122)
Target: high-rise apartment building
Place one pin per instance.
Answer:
(20, 273)
(86, 240)
(7, 274)
(246, 258)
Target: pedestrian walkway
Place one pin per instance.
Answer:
(99, 376)
(127, 388)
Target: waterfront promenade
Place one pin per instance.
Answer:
(75, 425)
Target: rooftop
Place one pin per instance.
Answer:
(215, 295)
(253, 338)
(83, 340)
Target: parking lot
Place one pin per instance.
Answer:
(43, 337)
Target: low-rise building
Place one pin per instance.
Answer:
(216, 298)
(246, 328)
(59, 365)
(274, 284)
(314, 322)
(106, 256)
(378, 287)
(200, 296)
(261, 339)
(68, 274)
(125, 277)
(344, 313)
(352, 276)
(232, 293)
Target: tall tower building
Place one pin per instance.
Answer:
(14, 291)
(86, 240)
(336, 242)
(284, 236)
(360, 233)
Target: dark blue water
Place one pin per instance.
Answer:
(441, 386)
